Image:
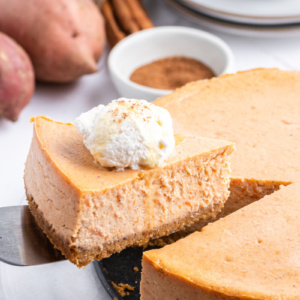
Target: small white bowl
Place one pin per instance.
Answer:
(152, 44)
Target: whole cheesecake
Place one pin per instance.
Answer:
(259, 110)
(251, 254)
(90, 212)
(254, 252)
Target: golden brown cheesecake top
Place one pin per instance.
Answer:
(77, 165)
(259, 110)
(251, 254)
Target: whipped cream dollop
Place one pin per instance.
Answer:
(127, 133)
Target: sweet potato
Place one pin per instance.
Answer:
(64, 38)
(16, 78)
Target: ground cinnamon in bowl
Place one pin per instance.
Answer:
(171, 72)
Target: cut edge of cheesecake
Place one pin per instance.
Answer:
(128, 207)
(241, 256)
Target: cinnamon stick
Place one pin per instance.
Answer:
(139, 14)
(113, 32)
(124, 16)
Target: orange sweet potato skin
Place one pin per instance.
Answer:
(16, 78)
(64, 38)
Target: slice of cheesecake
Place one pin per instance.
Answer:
(259, 110)
(89, 212)
(253, 253)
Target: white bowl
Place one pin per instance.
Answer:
(152, 44)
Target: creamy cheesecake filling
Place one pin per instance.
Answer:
(242, 193)
(53, 197)
(191, 188)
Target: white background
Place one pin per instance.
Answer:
(65, 102)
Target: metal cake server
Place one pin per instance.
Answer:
(22, 243)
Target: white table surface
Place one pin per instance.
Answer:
(65, 102)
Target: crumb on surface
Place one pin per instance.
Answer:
(135, 269)
(123, 288)
(160, 242)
